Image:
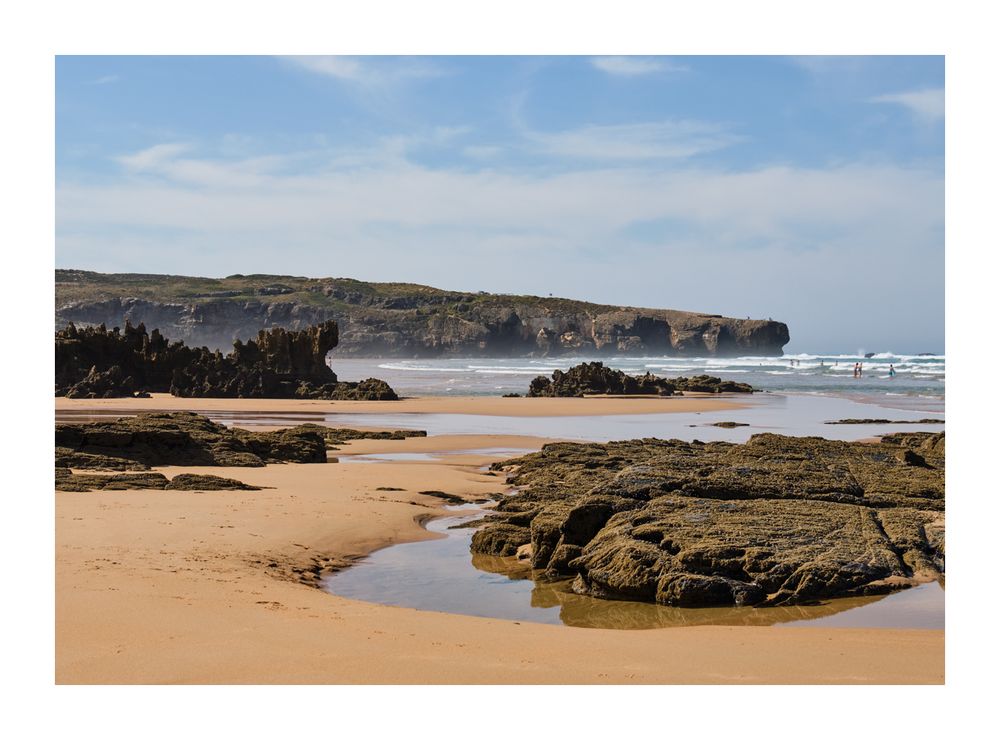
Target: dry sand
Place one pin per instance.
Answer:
(183, 587)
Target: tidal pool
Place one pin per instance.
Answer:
(441, 575)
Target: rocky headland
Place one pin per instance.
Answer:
(777, 520)
(95, 362)
(399, 319)
(593, 378)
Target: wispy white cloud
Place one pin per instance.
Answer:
(926, 105)
(152, 157)
(756, 232)
(634, 141)
(635, 66)
(367, 71)
(775, 205)
(240, 168)
(105, 80)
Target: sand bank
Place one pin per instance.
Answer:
(488, 405)
(180, 587)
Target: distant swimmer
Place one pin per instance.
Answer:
(892, 371)
(860, 369)
(857, 369)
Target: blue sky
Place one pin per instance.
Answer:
(808, 189)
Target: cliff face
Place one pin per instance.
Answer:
(401, 320)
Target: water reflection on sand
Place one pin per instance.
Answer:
(584, 611)
(440, 575)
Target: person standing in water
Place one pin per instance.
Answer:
(860, 369)
(892, 371)
(856, 366)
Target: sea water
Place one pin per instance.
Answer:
(918, 383)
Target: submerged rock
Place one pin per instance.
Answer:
(593, 378)
(777, 520)
(339, 435)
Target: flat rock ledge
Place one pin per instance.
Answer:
(184, 438)
(777, 520)
(66, 480)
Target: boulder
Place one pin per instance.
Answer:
(776, 520)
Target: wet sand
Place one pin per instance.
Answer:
(485, 405)
(182, 587)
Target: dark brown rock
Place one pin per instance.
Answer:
(180, 438)
(593, 378)
(97, 363)
(66, 480)
(776, 520)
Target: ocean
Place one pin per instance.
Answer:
(918, 385)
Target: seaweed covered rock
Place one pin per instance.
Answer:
(185, 438)
(66, 480)
(593, 378)
(777, 520)
(709, 384)
(180, 438)
(339, 435)
(97, 363)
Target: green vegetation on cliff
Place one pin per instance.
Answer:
(398, 319)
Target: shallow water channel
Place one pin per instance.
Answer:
(441, 575)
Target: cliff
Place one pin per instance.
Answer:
(400, 319)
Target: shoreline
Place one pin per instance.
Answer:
(181, 587)
(472, 405)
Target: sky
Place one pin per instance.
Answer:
(805, 189)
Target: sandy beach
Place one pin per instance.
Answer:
(187, 587)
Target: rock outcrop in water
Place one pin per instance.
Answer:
(593, 378)
(778, 520)
(401, 320)
(94, 362)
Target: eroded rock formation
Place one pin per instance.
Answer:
(589, 378)
(777, 520)
(94, 362)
